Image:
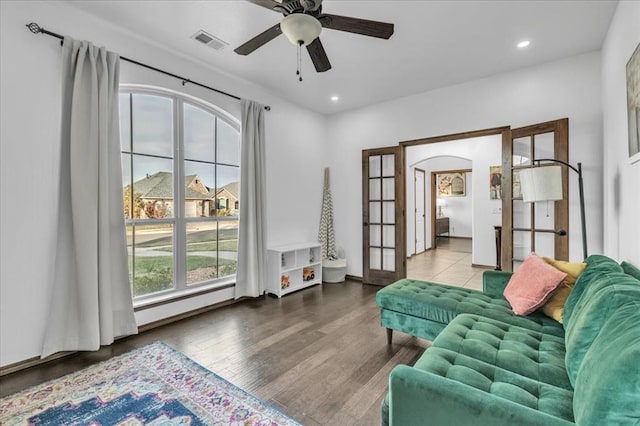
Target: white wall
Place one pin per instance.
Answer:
(566, 88)
(478, 154)
(29, 131)
(622, 178)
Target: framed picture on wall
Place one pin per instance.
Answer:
(451, 184)
(495, 182)
(633, 104)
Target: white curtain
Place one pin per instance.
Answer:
(252, 264)
(91, 303)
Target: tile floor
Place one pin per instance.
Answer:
(449, 263)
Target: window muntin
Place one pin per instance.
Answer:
(180, 158)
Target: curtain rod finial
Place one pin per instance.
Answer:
(34, 28)
(267, 108)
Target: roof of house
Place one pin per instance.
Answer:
(233, 188)
(160, 185)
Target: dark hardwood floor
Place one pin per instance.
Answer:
(319, 355)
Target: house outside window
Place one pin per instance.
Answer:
(180, 163)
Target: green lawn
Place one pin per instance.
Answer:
(155, 273)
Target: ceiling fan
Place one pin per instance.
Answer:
(302, 23)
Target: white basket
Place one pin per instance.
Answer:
(334, 271)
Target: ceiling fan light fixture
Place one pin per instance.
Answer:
(299, 27)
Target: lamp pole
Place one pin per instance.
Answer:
(578, 170)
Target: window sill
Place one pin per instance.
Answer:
(175, 296)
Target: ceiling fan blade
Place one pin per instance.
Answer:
(268, 4)
(259, 40)
(357, 26)
(318, 56)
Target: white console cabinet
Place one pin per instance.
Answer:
(293, 267)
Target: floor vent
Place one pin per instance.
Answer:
(211, 41)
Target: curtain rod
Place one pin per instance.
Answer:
(37, 29)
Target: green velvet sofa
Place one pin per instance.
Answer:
(487, 366)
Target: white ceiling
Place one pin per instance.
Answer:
(435, 44)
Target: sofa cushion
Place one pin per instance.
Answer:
(442, 303)
(607, 390)
(606, 293)
(554, 307)
(436, 302)
(529, 353)
(629, 269)
(532, 285)
(595, 265)
(498, 382)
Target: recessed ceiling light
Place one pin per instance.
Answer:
(335, 98)
(524, 43)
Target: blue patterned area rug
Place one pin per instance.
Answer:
(153, 385)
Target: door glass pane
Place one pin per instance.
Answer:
(153, 186)
(544, 211)
(521, 244)
(199, 134)
(375, 166)
(374, 189)
(389, 236)
(545, 244)
(522, 151)
(388, 192)
(150, 258)
(374, 236)
(375, 258)
(388, 212)
(543, 145)
(515, 185)
(388, 165)
(152, 125)
(228, 144)
(521, 214)
(374, 212)
(389, 260)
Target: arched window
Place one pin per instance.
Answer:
(177, 152)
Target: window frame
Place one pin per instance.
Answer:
(178, 219)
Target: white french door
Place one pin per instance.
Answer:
(419, 208)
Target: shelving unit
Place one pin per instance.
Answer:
(293, 267)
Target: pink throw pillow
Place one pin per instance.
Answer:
(532, 284)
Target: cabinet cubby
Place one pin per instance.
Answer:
(293, 267)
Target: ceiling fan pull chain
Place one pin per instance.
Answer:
(299, 71)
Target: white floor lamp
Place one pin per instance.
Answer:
(545, 184)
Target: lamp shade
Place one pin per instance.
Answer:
(299, 27)
(440, 202)
(541, 184)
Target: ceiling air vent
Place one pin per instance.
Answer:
(211, 41)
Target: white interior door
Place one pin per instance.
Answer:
(419, 200)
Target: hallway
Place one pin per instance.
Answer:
(449, 263)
